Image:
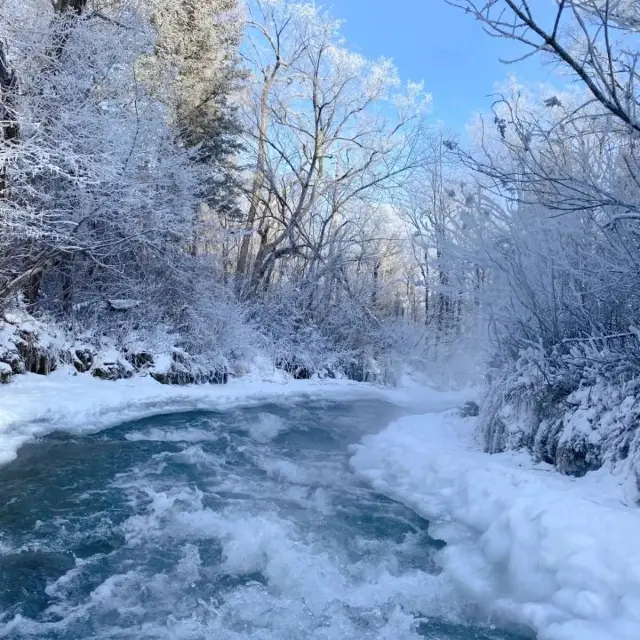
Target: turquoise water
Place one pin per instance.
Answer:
(242, 524)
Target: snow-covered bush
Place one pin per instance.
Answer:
(575, 408)
(553, 222)
(343, 339)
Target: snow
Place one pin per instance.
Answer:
(162, 362)
(558, 555)
(123, 305)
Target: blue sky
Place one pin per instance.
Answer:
(432, 41)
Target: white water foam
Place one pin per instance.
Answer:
(171, 435)
(266, 427)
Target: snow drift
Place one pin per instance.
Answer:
(558, 555)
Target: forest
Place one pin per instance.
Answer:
(189, 188)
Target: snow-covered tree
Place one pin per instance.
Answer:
(196, 71)
(552, 221)
(97, 186)
(329, 133)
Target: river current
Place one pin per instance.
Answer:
(246, 523)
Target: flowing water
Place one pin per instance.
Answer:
(242, 524)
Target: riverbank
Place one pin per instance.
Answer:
(554, 553)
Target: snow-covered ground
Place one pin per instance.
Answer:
(557, 554)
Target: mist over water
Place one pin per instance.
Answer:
(242, 524)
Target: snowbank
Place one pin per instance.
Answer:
(34, 405)
(559, 555)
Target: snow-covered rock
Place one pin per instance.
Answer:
(5, 373)
(110, 364)
(577, 421)
(28, 345)
(83, 358)
(181, 368)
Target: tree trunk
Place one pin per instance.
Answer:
(376, 277)
(10, 130)
(444, 301)
(32, 288)
(427, 309)
(66, 269)
(258, 178)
